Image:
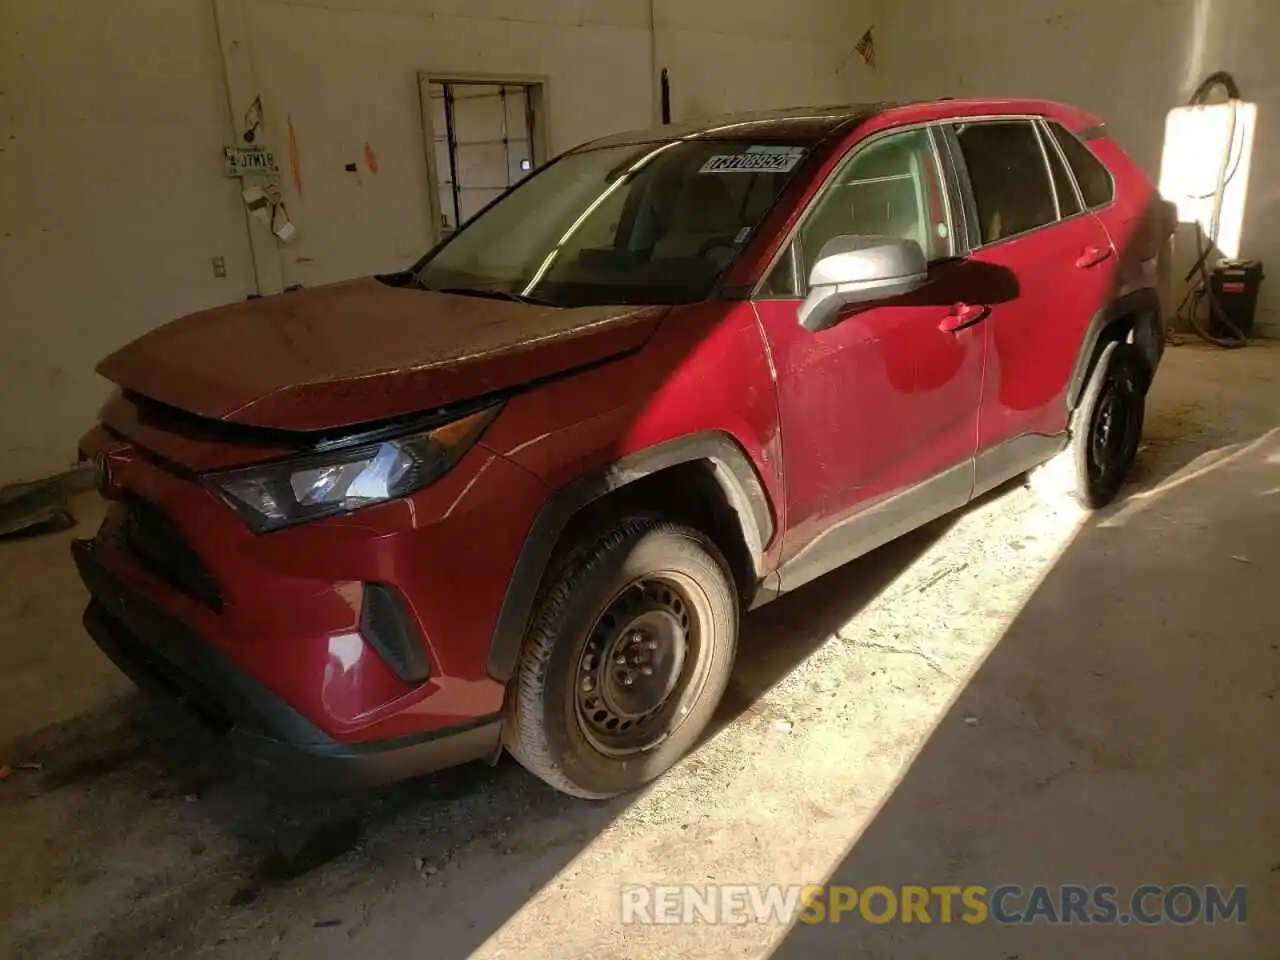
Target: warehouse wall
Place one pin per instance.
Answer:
(113, 201)
(1130, 61)
(341, 73)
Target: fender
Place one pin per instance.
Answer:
(733, 471)
(1143, 304)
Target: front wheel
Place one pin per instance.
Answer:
(626, 660)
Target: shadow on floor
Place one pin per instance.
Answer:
(143, 758)
(1121, 732)
(228, 845)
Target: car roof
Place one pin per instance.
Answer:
(810, 125)
(793, 124)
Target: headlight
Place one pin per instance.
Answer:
(274, 495)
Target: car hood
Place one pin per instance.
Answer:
(361, 351)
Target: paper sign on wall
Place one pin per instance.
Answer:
(258, 203)
(281, 225)
(241, 161)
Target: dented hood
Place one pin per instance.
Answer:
(361, 351)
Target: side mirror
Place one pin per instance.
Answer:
(858, 269)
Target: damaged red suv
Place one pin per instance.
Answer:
(520, 495)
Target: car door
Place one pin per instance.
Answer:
(1027, 219)
(884, 401)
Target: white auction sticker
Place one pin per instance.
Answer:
(778, 148)
(755, 159)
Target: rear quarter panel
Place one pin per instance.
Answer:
(1139, 221)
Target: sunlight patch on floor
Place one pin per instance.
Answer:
(783, 792)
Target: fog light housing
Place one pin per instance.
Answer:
(386, 626)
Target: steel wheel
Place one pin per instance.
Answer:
(1114, 431)
(643, 664)
(626, 660)
(1106, 425)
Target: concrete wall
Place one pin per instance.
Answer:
(1130, 61)
(343, 74)
(726, 55)
(113, 200)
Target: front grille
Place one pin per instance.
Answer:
(152, 671)
(160, 546)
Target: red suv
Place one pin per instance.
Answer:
(521, 494)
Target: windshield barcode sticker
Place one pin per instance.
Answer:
(760, 159)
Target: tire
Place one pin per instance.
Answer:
(1113, 400)
(643, 590)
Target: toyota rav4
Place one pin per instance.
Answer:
(521, 494)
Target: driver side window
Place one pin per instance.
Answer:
(891, 187)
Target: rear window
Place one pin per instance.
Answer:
(1007, 172)
(1093, 177)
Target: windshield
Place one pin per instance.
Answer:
(649, 223)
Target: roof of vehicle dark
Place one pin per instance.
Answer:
(793, 124)
(809, 125)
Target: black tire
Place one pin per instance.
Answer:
(665, 584)
(1106, 426)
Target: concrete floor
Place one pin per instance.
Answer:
(1018, 694)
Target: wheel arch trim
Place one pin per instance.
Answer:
(732, 469)
(1141, 303)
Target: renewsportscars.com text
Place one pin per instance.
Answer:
(1067, 904)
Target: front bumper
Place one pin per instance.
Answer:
(164, 655)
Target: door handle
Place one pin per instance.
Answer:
(964, 315)
(1092, 256)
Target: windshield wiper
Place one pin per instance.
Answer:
(495, 295)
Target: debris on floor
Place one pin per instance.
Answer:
(29, 766)
(34, 508)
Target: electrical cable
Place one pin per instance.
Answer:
(1219, 78)
(1235, 168)
(1203, 290)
